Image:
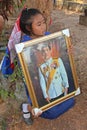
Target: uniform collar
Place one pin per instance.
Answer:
(49, 61)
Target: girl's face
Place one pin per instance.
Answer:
(38, 26)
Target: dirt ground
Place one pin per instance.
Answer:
(76, 117)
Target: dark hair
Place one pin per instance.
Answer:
(26, 19)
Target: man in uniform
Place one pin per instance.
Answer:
(52, 75)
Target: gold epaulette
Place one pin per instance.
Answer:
(55, 61)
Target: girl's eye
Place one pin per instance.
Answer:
(44, 21)
(39, 24)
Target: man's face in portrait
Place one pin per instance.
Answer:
(46, 51)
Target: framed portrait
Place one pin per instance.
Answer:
(49, 69)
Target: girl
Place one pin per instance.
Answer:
(33, 25)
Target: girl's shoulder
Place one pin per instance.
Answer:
(47, 33)
(26, 38)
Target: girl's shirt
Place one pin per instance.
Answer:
(27, 37)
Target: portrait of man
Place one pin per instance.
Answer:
(50, 71)
(52, 75)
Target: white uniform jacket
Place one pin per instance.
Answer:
(58, 81)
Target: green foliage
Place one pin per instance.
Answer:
(12, 79)
(17, 74)
(85, 7)
(4, 94)
(3, 37)
(3, 125)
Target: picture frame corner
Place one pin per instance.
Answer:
(19, 47)
(66, 32)
(78, 91)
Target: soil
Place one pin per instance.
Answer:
(76, 117)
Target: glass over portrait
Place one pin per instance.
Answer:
(49, 69)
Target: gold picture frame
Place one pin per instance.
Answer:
(31, 58)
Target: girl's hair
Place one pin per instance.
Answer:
(26, 19)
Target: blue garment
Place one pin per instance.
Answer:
(27, 38)
(59, 109)
(7, 68)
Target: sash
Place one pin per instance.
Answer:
(50, 77)
(52, 70)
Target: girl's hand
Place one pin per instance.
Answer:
(36, 112)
